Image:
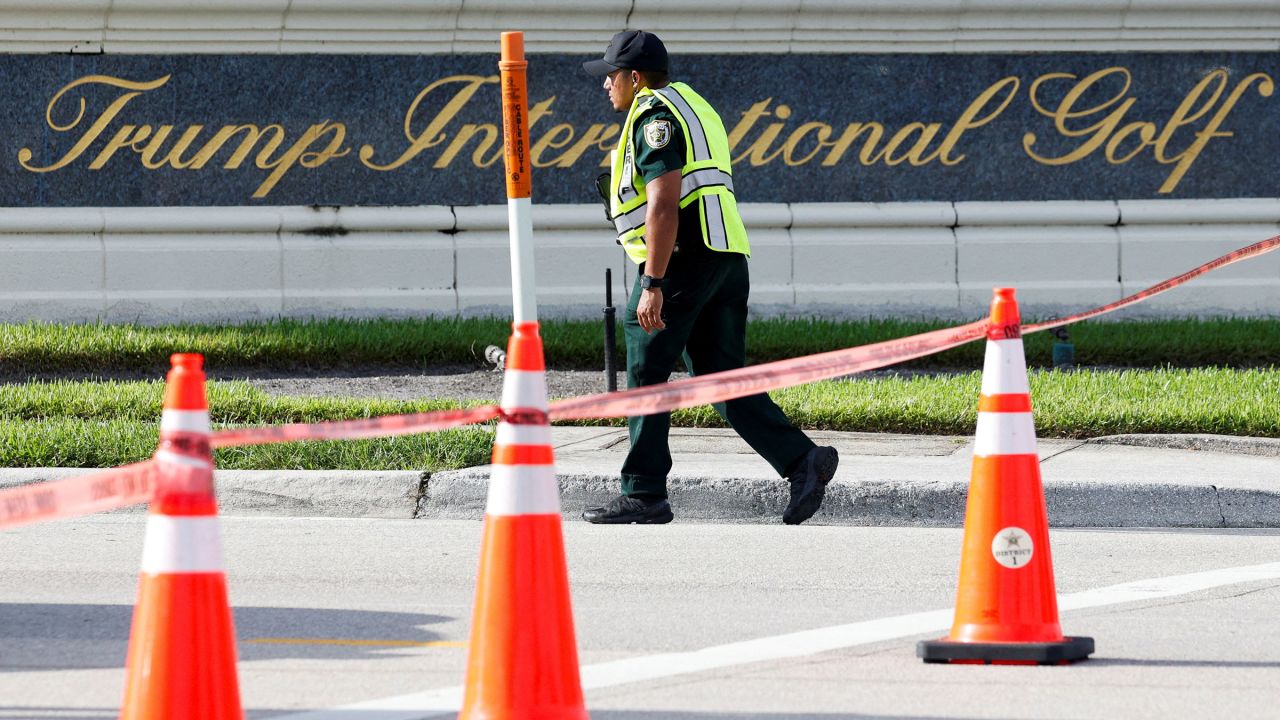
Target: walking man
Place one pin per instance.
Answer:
(671, 200)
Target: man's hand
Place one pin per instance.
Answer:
(649, 310)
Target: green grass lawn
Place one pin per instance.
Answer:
(102, 424)
(34, 349)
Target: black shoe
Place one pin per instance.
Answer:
(624, 510)
(809, 484)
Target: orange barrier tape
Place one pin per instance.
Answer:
(384, 426)
(81, 495)
(706, 389)
(1244, 253)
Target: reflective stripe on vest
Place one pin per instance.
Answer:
(627, 192)
(716, 234)
(706, 177)
(697, 139)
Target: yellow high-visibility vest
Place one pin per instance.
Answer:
(706, 178)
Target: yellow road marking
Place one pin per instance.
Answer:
(357, 643)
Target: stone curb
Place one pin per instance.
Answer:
(903, 481)
(1263, 447)
(461, 494)
(314, 493)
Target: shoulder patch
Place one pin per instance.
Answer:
(657, 134)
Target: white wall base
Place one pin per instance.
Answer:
(168, 265)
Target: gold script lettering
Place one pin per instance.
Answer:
(1066, 112)
(1109, 131)
(174, 157)
(1090, 115)
(432, 134)
(822, 131)
(969, 119)
(126, 136)
(595, 136)
(557, 137)
(926, 133)
(252, 134)
(300, 153)
(99, 124)
(1266, 86)
(749, 118)
(464, 135)
(874, 131)
(758, 152)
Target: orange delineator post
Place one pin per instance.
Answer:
(182, 654)
(1006, 604)
(513, 70)
(523, 657)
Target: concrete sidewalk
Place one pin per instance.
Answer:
(1122, 481)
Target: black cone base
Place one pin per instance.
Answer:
(1069, 650)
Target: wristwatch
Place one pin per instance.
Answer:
(648, 282)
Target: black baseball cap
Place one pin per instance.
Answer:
(630, 50)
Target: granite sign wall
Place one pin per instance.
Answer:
(113, 130)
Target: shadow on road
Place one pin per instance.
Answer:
(38, 636)
(705, 715)
(18, 712)
(597, 714)
(65, 713)
(61, 713)
(1140, 662)
(676, 715)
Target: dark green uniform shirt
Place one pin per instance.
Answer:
(660, 148)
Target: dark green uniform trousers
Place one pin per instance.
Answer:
(705, 310)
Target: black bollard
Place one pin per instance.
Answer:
(610, 335)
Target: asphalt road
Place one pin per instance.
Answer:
(331, 612)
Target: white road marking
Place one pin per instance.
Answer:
(446, 701)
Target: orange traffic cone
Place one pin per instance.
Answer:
(523, 660)
(1006, 605)
(182, 654)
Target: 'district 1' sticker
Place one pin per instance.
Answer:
(1012, 547)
